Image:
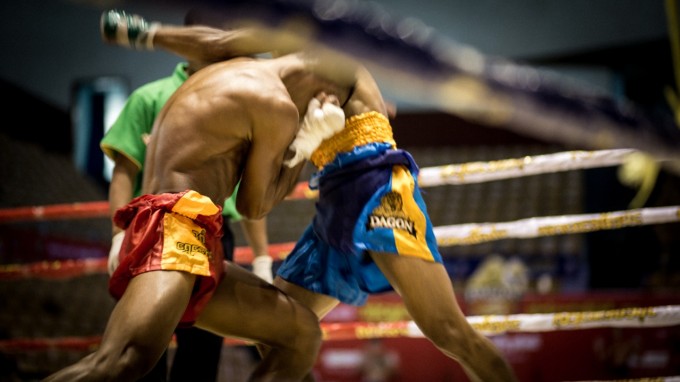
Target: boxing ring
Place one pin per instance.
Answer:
(460, 81)
(497, 326)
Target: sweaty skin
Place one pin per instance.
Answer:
(228, 121)
(234, 119)
(425, 287)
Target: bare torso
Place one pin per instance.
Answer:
(232, 120)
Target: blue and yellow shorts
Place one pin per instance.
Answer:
(369, 200)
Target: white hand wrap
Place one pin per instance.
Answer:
(114, 252)
(320, 122)
(262, 267)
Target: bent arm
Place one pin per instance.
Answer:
(266, 180)
(366, 97)
(256, 235)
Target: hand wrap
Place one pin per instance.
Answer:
(320, 122)
(262, 267)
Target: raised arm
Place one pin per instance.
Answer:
(208, 44)
(199, 42)
(323, 118)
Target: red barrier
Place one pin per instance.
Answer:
(64, 269)
(99, 209)
(83, 210)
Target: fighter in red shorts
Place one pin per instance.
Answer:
(172, 231)
(231, 121)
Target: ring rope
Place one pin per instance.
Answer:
(447, 236)
(478, 172)
(472, 172)
(474, 233)
(489, 325)
(655, 316)
(647, 379)
(459, 79)
(80, 210)
(65, 269)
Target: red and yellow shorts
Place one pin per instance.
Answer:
(171, 232)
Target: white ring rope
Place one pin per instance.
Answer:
(447, 236)
(621, 318)
(474, 233)
(489, 325)
(453, 174)
(638, 317)
(453, 77)
(477, 172)
(648, 379)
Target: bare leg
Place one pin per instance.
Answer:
(245, 306)
(320, 304)
(428, 294)
(138, 331)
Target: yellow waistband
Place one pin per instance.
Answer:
(359, 130)
(192, 204)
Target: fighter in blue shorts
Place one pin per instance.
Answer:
(371, 233)
(368, 201)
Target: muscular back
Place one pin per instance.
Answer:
(233, 120)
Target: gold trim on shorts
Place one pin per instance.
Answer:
(359, 130)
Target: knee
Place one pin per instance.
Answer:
(306, 336)
(309, 332)
(451, 337)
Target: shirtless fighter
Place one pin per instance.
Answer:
(371, 232)
(230, 121)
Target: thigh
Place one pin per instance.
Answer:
(319, 303)
(247, 307)
(425, 286)
(148, 312)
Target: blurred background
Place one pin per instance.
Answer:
(63, 86)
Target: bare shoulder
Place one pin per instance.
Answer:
(264, 94)
(245, 94)
(274, 115)
(255, 80)
(242, 86)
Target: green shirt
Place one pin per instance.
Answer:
(127, 136)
